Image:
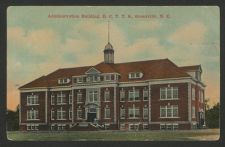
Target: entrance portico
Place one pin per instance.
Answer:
(92, 112)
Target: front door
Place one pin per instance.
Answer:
(91, 117)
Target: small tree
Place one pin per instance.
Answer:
(13, 120)
(212, 116)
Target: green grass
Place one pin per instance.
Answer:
(209, 134)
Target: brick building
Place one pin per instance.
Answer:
(153, 95)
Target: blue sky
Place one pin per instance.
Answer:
(38, 45)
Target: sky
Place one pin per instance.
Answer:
(39, 41)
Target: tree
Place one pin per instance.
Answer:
(212, 116)
(13, 120)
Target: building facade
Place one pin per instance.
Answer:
(142, 95)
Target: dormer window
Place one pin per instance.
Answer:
(108, 77)
(63, 81)
(134, 75)
(79, 79)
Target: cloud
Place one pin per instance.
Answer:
(192, 33)
(147, 25)
(37, 41)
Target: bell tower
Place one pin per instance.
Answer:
(108, 51)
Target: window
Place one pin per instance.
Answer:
(32, 127)
(175, 126)
(107, 113)
(134, 75)
(79, 97)
(93, 96)
(32, 114)
(193, 93)
(70, 113)
(169, 111)
(163, 111)
(70, 98)
(61, 114)
(137, 95)
(162, 126)
(107, 95)
(145, 127)
(175, 111)
(79, 79)
(134, 126)
(134, 113)
(145, 94)
(145, 112)
(61, 99)
(193, 112)
(107, 126)
(168, 93)
(134, 95)
(52, 114)
(122, 126)
(94, 78)
(52, 99)
(108, 77)
(61, 126)
(122, 113)
(63, 81)
(131, 95)
(79, 114)
(32, 99)
(162, 93)
(122, 95)
(52, 127)
(168, 126)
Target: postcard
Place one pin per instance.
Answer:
(113, 73)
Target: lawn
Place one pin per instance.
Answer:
(206, 134)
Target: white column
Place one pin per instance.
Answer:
(189, 102)
(72, 105)
(86, 111)
(97, 111)
(115, 104)
(46, 106)
(149, 102)
(20, 110)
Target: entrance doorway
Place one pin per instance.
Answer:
(91, 117)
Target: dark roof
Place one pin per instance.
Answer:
(151, 69)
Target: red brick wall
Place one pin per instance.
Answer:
(79, 105)
(55, 106)
(40, 107)
(129, 104)
(182, 102)
(109, 104)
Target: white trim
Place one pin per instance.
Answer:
(36, 89)
(72, 106)
(132, 84)
(149, 102)
(189, 102)
(175, 122)
(20, 110)
(33, 123)
(46, 106)
(114, 105)
(90, 86)
(61, 89)
(97, 71)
